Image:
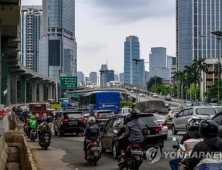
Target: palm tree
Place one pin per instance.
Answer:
(216, 68)
(179, 76)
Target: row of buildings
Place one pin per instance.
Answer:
(48, 44)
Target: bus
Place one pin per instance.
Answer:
(65, 102)
(102, 100)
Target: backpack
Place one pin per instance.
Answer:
(44, 127)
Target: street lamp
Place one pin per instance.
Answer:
(136, 62)
(218, 37)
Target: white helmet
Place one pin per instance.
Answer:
(91, 120)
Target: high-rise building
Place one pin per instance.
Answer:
(58, 48)
(30, 33)
(193, 20)
(121, 76)
(133, 71)
(116, 77)
(93, 77)
(102, 75)
(80, 77)
(109, 75)
(147, 77)
(158, 63)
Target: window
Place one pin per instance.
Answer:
(186, 112)
(180, 114)
(72, 115)
(191, 112)
(205, 111)
(118, 123)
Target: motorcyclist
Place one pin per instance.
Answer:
(91, 133)
(122, 141)
(44, 127)
(192, 133)
(32, 124)
(210, 144)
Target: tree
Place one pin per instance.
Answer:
(216, 68)
(151, 82)
(213, 91)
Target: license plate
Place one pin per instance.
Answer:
(73, 123)
(46, 138)
(95, 148)
(136, 152)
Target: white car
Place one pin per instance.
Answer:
(163, 125)
(155, 95)
(142, 95)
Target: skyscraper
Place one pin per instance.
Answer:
(80, 77)
(193, 20)
(58, 51)
(133, 71)
(116, 77)
(93, 77)
(30, 33)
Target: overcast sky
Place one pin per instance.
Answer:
(103, 25)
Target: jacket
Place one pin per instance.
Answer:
(92, 133)
(208, 146)
(190, 135)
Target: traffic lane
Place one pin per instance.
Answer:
(74, 155)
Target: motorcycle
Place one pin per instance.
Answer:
(45, 141)
(26, 129)
(33, 135)
(133, 158)
(93, 152)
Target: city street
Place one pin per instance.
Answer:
(67, 153)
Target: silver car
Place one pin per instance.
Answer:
(163, 124)
(180, 120)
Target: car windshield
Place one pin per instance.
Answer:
(205, 111)
(176, 109)
(150, 121)
(107, 113)
(72, 115)
(218, 109)
(158, 117)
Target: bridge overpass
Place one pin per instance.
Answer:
(10, 67)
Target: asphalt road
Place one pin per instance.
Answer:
(66, 153)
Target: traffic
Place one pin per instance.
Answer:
(133, 134)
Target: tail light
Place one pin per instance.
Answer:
(82, 119)
(164, 124)
(95, 143)
(46, 134)
(64, 120)
(136, 145)
(98, 117)
(172, 112)
(157, 129)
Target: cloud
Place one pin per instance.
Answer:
(93, 45)
(123, 11)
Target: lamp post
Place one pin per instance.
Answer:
(218, 35)
(136, 62)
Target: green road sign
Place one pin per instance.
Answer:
(71, 95)
(68, 82)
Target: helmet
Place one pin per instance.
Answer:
(208, 128)
(91, 120)
(32, 116)
(193, 125)
(135, 113)
(44, 118)
(127, 118)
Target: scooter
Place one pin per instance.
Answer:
(93, 152)
(33, 135)
(133, 158)
(45, 141)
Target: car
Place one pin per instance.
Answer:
(142, 95)
(218, 108)
(168, 98)
(86, 112)
(187, 103)
(218, 119)
(154, 137)
(163, 124)
(172, 112)
(199, 104)
(155, 95)
(124, 110)
(68, 122)
(213, 104)
(180, 120)
(102, 116)
(132, 91)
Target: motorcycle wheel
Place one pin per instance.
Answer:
(136, 164)
(46, 147)
(95, 161)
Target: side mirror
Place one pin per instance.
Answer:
(174, 139)
(182, 147)
(176, 115)
(115, 131)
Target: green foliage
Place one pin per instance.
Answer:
(195, 89)
(151, 83)
(125, 103)
(213, 91)
(165, 90)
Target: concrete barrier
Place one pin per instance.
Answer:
(4, 150)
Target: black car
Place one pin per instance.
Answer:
(86, 112)
(102, 116)
(154, 137)
(68, 122)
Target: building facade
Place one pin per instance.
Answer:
(195, 19)
(156, 67)
(133, 71)
(116, 77)
(93, 77)
(80, 77)
(58, 48)
(30, 33)
(121, 76)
